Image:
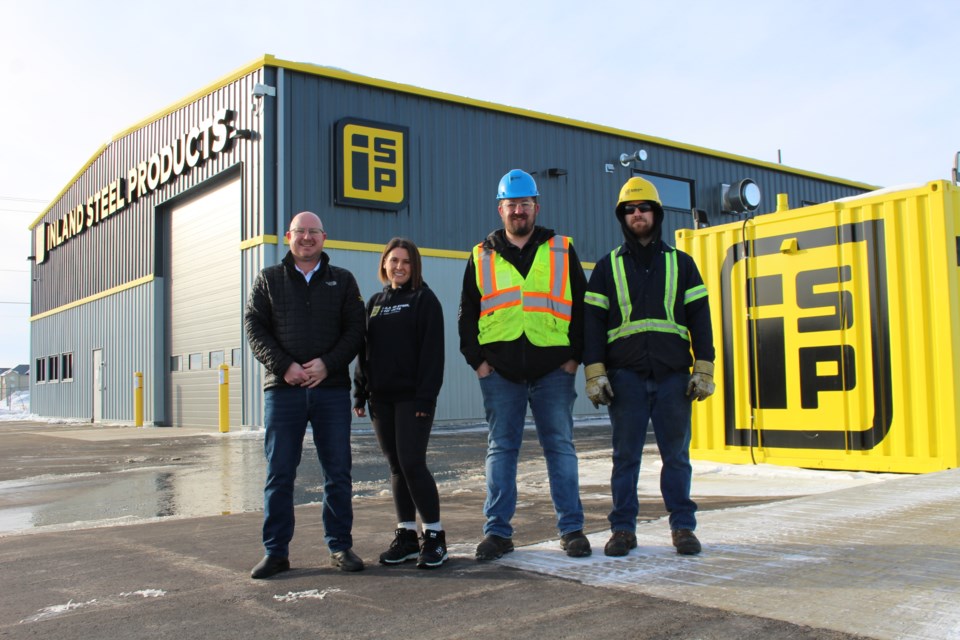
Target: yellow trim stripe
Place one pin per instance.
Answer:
(103, 294)
(256, 241)
(269, 60)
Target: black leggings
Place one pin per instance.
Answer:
(403, 439)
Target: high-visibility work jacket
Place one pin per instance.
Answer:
(539, 305)
(629, 326)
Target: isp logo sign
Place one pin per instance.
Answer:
(371, 164)
(809, 310)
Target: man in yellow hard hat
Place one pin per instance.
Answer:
(646, 308)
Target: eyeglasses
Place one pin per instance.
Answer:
(300, 232)
(643, 207)
(516, 206)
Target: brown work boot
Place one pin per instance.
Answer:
(620, 543)
(685, 542)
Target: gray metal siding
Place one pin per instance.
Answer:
(457, 154)
(123, 325)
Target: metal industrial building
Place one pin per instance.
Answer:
(143, 262)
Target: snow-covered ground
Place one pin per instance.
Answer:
(16, 407)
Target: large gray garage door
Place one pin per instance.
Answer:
(205, 306)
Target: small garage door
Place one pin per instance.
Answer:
(204, 306)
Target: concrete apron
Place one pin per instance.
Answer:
(881, 560)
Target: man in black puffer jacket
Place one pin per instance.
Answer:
(305, 321)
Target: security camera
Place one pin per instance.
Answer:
(261, 90)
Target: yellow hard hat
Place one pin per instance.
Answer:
(636, 188)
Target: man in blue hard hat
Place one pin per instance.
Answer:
(521, 326)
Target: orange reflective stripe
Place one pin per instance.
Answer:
(544, 302)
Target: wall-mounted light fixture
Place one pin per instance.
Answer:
(556, 172)
(257, 95)
(700, 220)
(742, 197)
(640, 155)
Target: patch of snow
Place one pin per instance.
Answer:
(57, 610)
(311, 594)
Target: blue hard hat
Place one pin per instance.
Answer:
(517, 184)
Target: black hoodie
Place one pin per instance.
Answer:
(402, 358)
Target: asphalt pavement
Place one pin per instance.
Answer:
(881, 561)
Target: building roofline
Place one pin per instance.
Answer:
(268, 60)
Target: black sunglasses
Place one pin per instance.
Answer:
(643, 207)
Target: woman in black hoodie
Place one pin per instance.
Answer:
(399, 373)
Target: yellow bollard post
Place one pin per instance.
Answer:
(783, 202)
(224, 398)
(138, 398)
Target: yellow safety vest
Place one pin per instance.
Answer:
(539, 305)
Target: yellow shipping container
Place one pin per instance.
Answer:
(837, 329)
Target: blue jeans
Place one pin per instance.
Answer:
(286, 413)
(638, 400)
(551, 400)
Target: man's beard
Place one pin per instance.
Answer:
(520, 226)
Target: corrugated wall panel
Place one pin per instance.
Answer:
(123, 245)
(458, 153)
(124, 327)
(253, 259)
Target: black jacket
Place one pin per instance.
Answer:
(403, 355)
(519, 360)
(652, 352)
(288, 320)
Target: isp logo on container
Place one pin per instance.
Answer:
(805, 317)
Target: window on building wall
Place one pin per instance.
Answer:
(53, 368)
(175, 364)
(674, 193)
(195, 361)
(66, 366)
(216, 359)
(40, 369)
(235, 357)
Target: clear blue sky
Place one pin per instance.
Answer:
(863, 91)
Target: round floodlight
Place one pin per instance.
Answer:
(744, 196)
